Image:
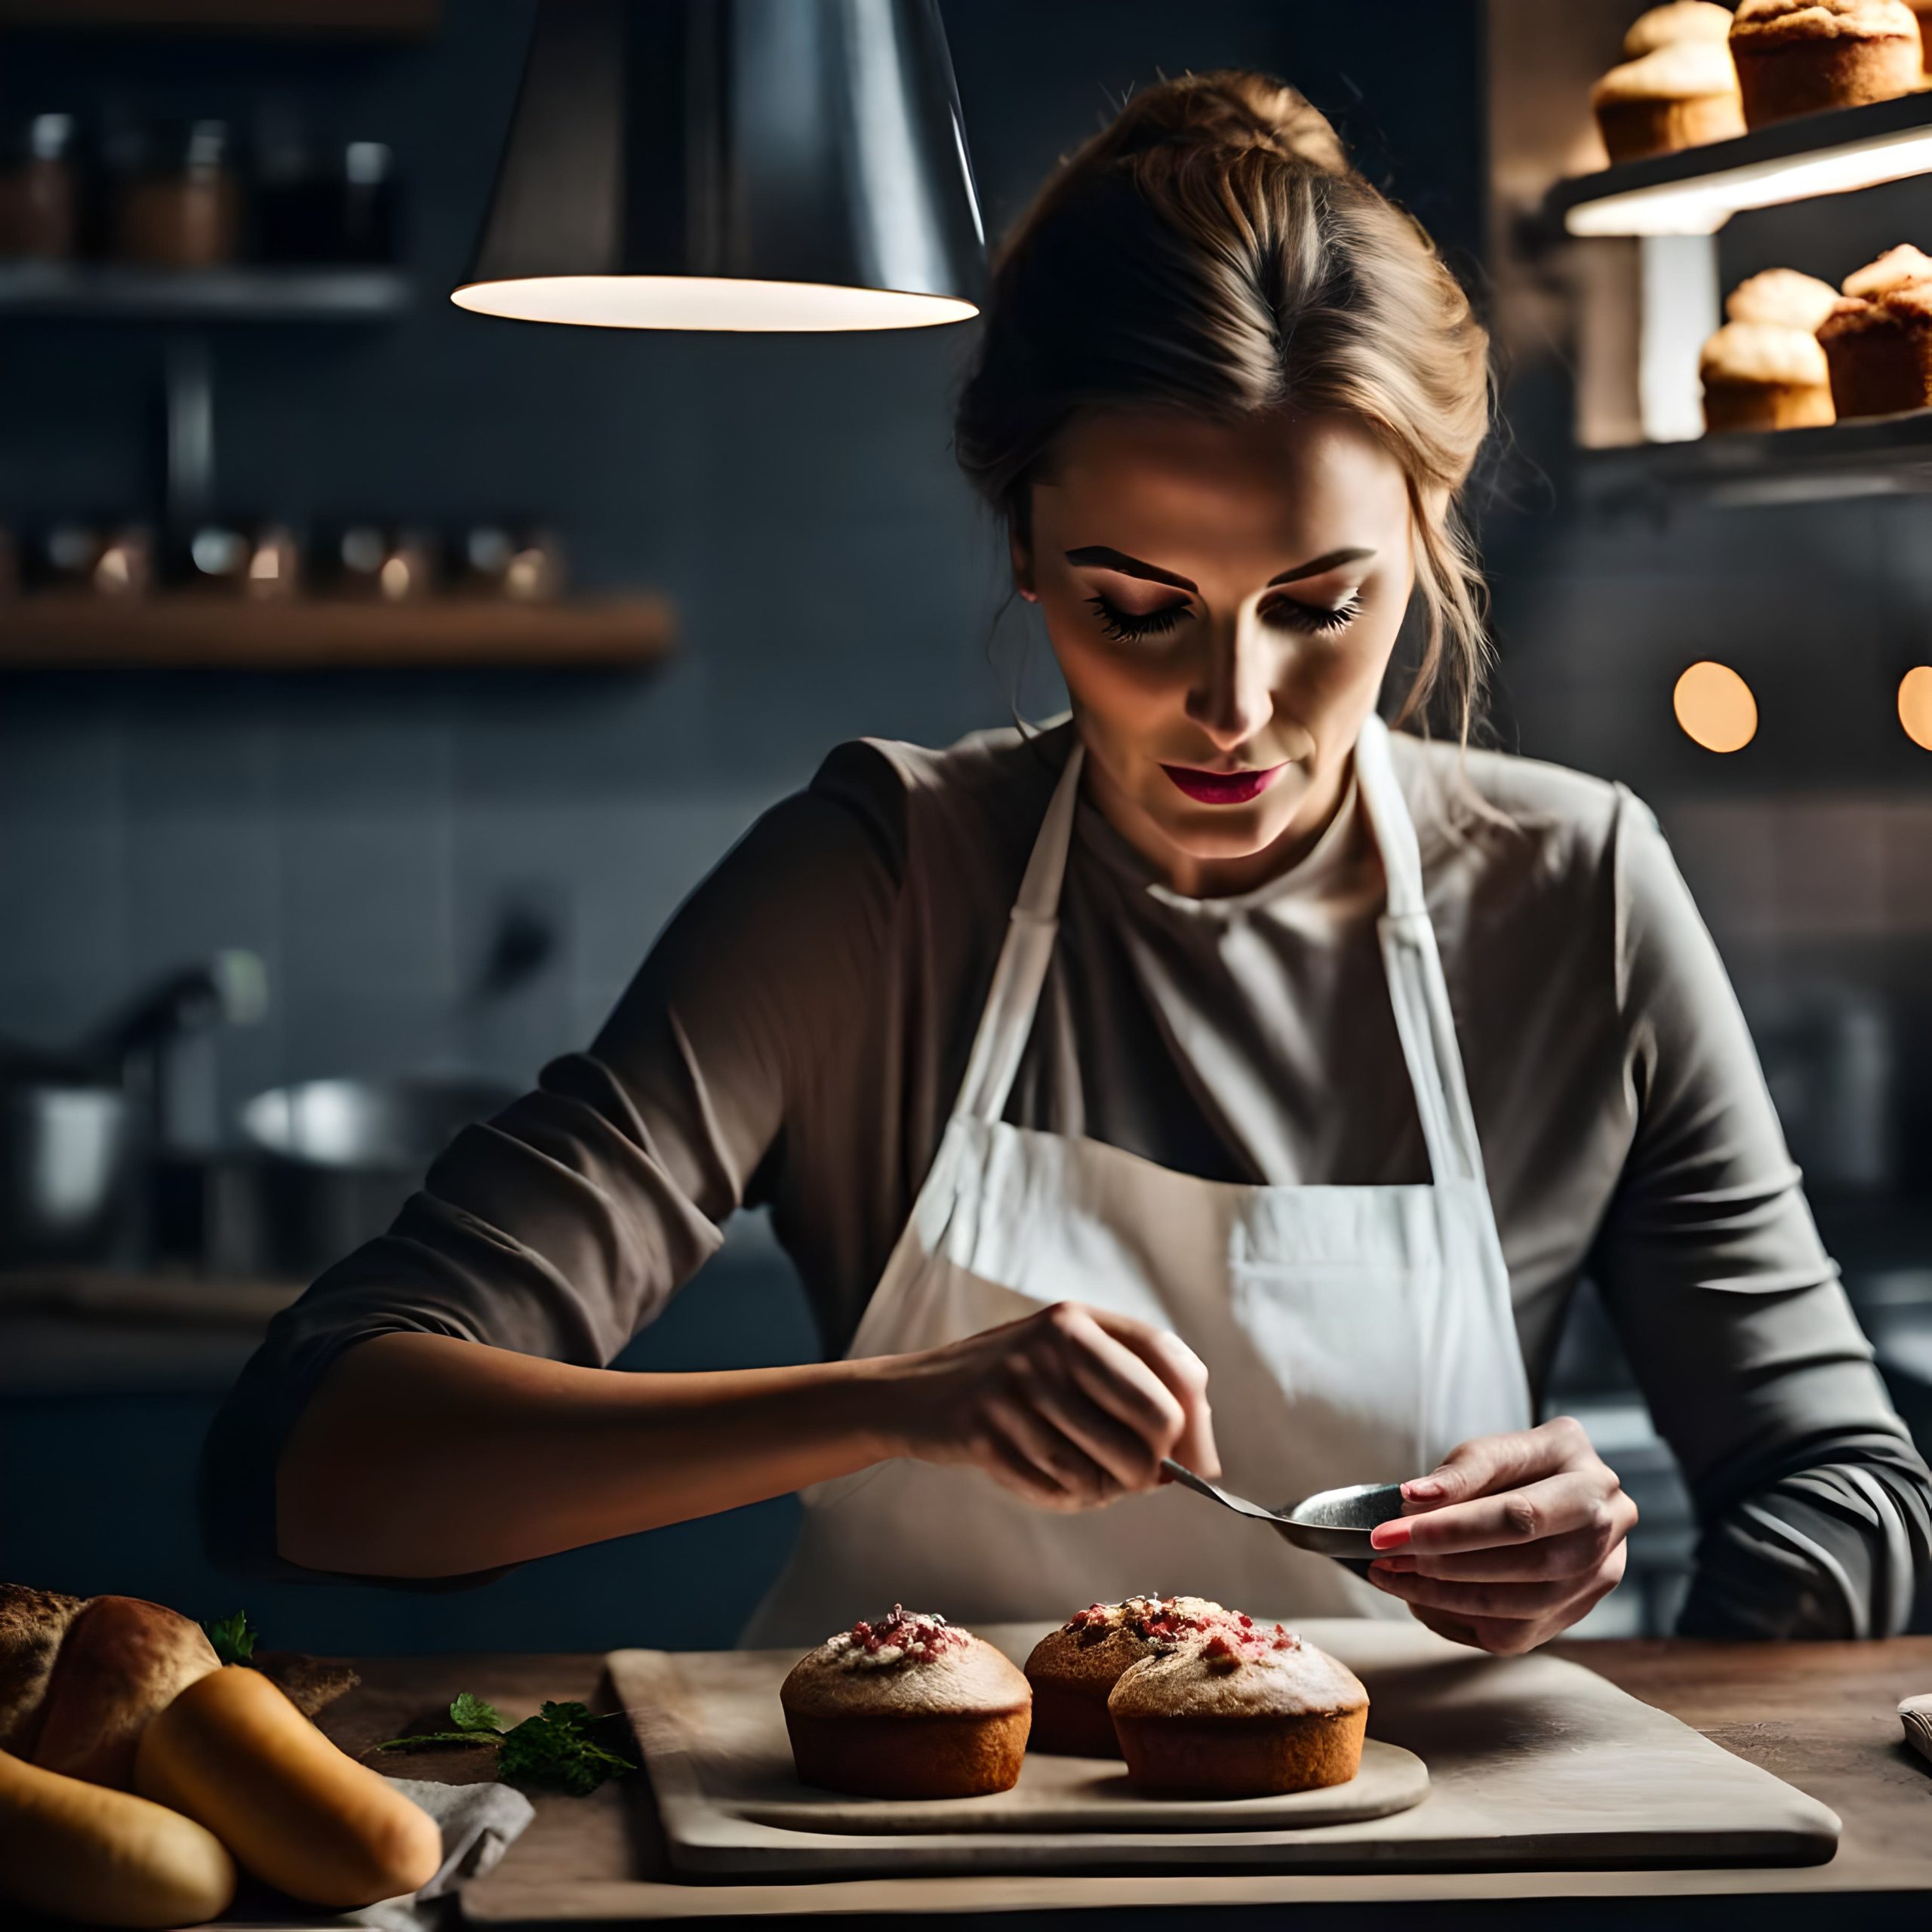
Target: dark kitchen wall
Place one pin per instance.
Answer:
(795, 498)
(364, 833)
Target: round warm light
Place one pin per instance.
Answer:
(1715, 707)
(706, 302)
(1915, 705)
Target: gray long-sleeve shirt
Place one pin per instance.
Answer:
(797, 1035)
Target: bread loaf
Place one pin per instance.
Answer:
(32, 1623)
(124, 1661)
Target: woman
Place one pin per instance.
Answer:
(1217, 1047)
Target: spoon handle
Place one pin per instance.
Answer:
(1200, 1486)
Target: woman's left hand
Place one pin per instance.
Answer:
(1510, 1541)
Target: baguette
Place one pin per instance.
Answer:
(79, 1850)
(233, 1753)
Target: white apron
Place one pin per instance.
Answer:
(1351, 1334)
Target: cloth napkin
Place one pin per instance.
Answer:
(1915, 1713)
(480, 1822)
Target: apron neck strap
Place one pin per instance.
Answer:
(1416, 989)
(1023, 959)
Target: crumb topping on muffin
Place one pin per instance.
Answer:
(1156, 1620)
(1231, 1673)
(1896, 269)
(902, 1637)
(1773, 22)
(1680, 20)
(1683, 70)
(1784, 298)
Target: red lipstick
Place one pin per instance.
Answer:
(1222, 788)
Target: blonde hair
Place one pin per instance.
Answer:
(1213, 249)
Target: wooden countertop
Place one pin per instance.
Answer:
(1823, 1717)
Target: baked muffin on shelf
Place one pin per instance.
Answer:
(1877, 340)
(1074, 1670)
(1682, 95)
(908, 1705)
(1679, 19)
(1241, 1713)
(1923, 8)
(1803, 56)
(1764, 376)
(1783, 298)
(1896, 269)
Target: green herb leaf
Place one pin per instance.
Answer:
(469, 1713)
(440, 1737)
(233, 1637)
(557, 1750)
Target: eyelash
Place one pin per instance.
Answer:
(1126, 626)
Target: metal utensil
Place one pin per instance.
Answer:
(1336, 1522)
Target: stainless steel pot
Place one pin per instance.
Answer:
(337, 1159)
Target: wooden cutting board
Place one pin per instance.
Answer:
(1532, 1762)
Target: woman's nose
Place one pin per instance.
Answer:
(1232, 697)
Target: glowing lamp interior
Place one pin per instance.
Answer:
(706, 302)
(1715, 707)
(1702, 206)
(1915, 705)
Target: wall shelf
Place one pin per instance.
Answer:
(1696, 191)
(1877, 456)
(184, 631)
(62, 291)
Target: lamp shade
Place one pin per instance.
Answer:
(751, 165)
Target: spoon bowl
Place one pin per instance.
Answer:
(1337, 1522)
(1333, 1522)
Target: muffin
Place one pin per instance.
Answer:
(1760, 376)
(907, 1706)
(1923, 8)
(1240, 1713)
(1800, 56)
(1073, 1669)
(1783, 298)
(1896, 269)
(1680, 20)
(1681, 96)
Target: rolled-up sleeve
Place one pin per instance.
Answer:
(563, 1226)
(1815, 1509)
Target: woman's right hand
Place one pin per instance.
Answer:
(1070, 1408)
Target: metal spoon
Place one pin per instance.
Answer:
(1335, 1523)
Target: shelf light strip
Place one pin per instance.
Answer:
(1702, 206)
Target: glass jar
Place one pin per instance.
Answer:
(40, 191)
(180, 204)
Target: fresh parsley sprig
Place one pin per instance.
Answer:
(556, 1750)
(233, 1637)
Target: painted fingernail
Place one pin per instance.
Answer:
(1391, 1536)
(1424, 1490)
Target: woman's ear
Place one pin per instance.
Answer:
(1022, 565)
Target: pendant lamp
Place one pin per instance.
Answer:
(744, 164)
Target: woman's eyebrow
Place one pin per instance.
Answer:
(1103, 557)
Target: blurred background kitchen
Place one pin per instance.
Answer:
(501, 634)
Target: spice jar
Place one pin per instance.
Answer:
(342, 211)
(125, 566)
(393, 567)
(40, 192)
(179, 204)
(275, 567)
(525, 567)
(218, 559)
